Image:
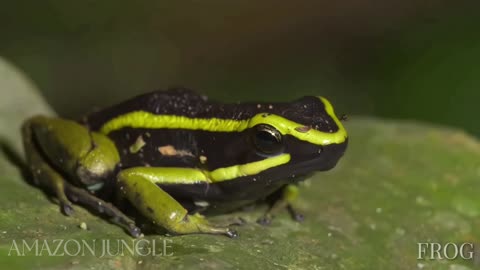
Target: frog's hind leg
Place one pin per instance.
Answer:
(139, 186)
(43, 174)
(56, 148)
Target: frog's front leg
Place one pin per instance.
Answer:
(57, 149)
(139, 186)
(288, 194)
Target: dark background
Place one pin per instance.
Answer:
(396, 59)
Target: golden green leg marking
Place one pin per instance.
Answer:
(137, 186)
(289, 194)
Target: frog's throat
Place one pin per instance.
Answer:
(147, 120)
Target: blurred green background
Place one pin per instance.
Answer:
(397, 59)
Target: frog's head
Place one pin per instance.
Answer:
(304, 137)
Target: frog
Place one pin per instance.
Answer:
(174, 156)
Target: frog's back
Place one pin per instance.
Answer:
(177, 101)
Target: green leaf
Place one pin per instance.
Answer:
(399, 184)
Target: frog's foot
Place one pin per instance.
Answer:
(265, 220)
(46, 177)
(203, 226)
(99, 206)
(67, 208)
(287, 195)
(298, 217)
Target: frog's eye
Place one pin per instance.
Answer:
(267, 139)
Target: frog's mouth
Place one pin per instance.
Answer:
(325, 161)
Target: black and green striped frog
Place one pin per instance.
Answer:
(174, 155)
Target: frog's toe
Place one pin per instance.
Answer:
(67, 208)
(135, 232)
(231, 233)
(298, 217)
(127, 224)
(264, 220)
